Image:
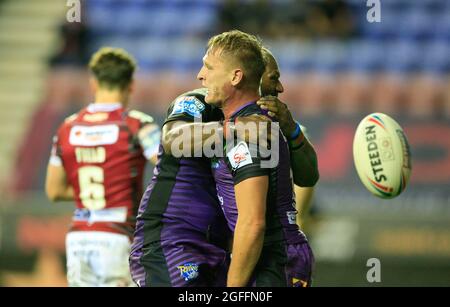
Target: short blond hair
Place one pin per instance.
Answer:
(243, 48)
(113, 67)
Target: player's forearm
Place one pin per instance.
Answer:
(57, 187)
(191, 137)
(65, 193)
(287, 125)
(304, 165)
(247, 246)
(303, 197)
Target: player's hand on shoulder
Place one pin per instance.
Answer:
(272, 104)
(279, 110)
(253, 129)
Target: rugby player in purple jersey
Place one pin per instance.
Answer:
(173, 244)
(268, 248)
(190, 270)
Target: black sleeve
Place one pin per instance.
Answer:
(244, 161)
(188, 108)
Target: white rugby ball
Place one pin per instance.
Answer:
(382, 156)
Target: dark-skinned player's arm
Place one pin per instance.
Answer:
(189, 124)
(303, 156)
(248, 240)
(178, 134)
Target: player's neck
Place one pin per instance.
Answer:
(104, 96)
(235, 103)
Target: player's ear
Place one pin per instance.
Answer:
(237, 77)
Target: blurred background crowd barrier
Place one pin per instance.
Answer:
(336, 67)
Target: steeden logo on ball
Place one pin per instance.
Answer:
(382, 155)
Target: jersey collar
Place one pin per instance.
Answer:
(104, 107)
(241, 108)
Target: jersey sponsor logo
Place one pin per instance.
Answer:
(190, 105)
(94, 135)
(291, 215)
(239, 156)
(95, 117)
(188, 271)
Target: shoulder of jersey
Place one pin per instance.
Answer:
(144, 118)
(71, 118)
(252, 109)
(199, 93)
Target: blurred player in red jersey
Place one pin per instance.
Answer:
(98, 160)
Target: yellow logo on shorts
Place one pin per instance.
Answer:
(299, 283)
(188, 271)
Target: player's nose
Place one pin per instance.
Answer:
(280, 88)
(201, 75)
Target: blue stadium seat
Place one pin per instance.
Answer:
(416, 23)
(436, 57)
(442, 25)
(364, 56)
(402, 56)
(329, 57)
(293, 56)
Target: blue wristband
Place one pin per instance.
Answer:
(297, 131)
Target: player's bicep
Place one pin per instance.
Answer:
(251, 197)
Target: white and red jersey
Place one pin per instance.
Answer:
(103, 149)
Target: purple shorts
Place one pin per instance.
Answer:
(180, 265)
(284, 265)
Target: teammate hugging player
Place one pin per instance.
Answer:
(173, 243)
(189, 109)
(268, 248)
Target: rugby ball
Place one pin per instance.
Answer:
(382, 156)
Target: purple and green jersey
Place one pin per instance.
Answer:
(239, 164)
(172, 241)
(286, 258)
